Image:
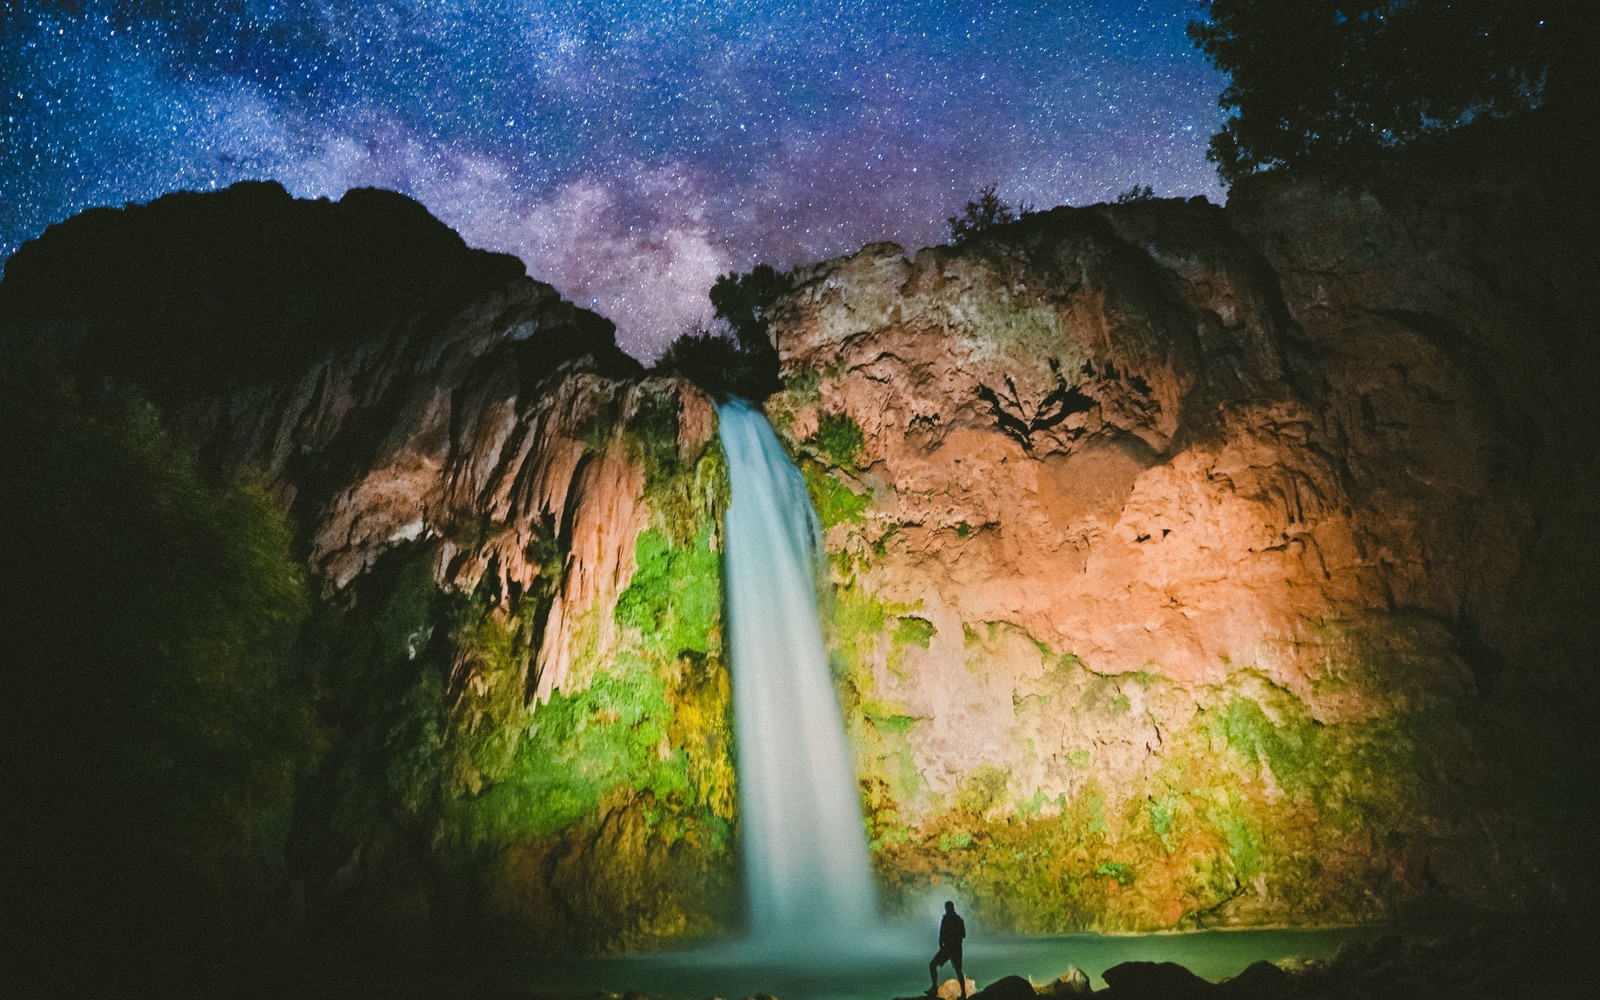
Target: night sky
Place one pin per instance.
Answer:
(628, 152)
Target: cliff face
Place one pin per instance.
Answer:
(1204, 565)
(1189, 565)
(513, 658)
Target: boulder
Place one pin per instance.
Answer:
(1007, 988)
(1156, 981)
(1072, 983)
(1260, 981)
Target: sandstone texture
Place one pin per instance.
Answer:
(1202, 566)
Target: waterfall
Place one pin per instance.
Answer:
(805, 851)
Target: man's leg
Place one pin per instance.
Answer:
(960, 977)
(933, 974)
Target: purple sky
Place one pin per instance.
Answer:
(627, 152)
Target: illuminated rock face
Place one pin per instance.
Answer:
(1190, 566)
(1190, 562)
(571, 700)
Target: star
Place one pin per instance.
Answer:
(628, 152)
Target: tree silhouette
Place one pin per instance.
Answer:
(981, 215)
(1329, 83)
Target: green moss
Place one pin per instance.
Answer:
(891, 723)
(1241, 834)
(652, 432)
(1080, 758)
(803, 385)
(1162, 813)
(675, 597)
(913, 631)
(1289, 750)
(839, 438)
(691, 498)
(1117, 871)
(955, 840)
(880, 548)
(963, 529)
(581, 748)
(984, 789)
(857, 626)
(835, 502)
(1033, 805)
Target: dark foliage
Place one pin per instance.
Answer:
(194, 294)
(745, 300)
(1325, 85)
(1137, 193)
(747, 365)
(155, 717)
(722, 367)
(980, 216)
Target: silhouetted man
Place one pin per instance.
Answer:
(952, 930)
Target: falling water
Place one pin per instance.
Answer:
(805, 852)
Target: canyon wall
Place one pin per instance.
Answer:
(1208, 567)
(512, 661)
(1190, 566)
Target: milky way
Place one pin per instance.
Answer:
(628, 152)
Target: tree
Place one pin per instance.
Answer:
(1329, 83)
(747, 365)
(744, 301)
(980, 216)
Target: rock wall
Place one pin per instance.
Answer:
(1203, 566)
(565, 508)
(511, 532)
(1190, 565)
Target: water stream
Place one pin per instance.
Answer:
(807, 876)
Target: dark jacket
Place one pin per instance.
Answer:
(951, 930)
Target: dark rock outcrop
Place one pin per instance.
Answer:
(1156, 981)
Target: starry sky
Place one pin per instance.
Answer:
(628, 151)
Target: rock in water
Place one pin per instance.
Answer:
(1260, 981)
(1156, 981)
(1072, 983)
(1007, 988)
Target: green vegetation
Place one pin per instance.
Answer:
(157, 719)
(722, 366)
(218, 727)
(913, 631)
(675, 597)
(746, 302)
(1245, 803)
(835, 502)
(981, 216)
(747, 364)
(839, 438)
